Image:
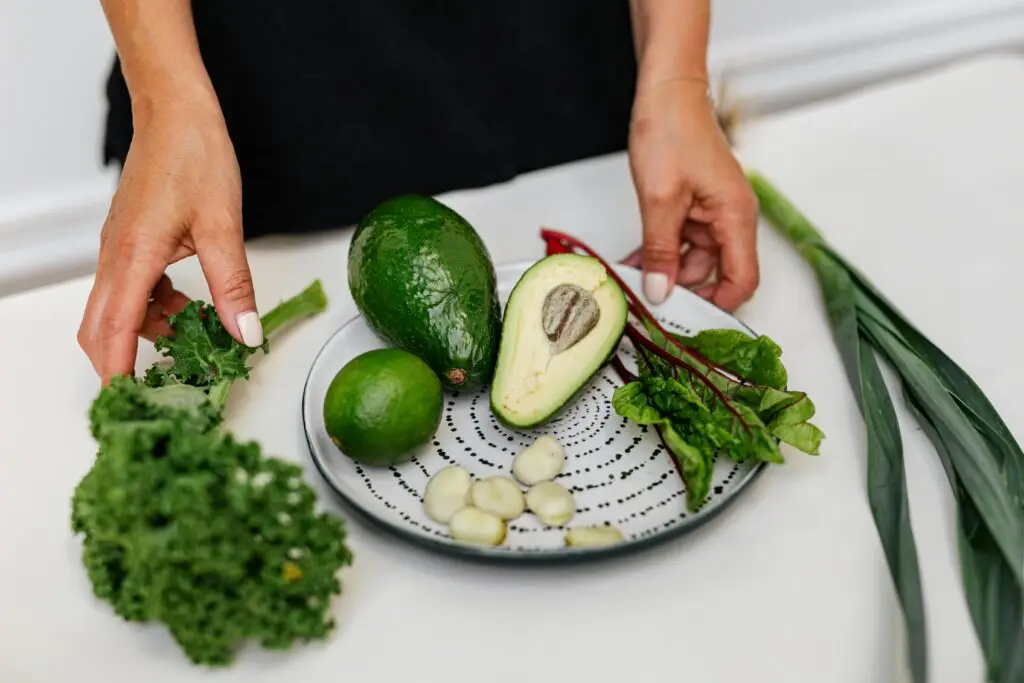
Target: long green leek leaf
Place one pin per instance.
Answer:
(983, 461)
(957, 382)
(976, 465)
(886, 478)
(997, 609)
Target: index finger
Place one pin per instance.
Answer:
(120, 317)
(738, 270)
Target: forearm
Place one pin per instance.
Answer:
(671, 39)
(159, 53)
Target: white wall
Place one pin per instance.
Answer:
(53, 61)
(54, 58)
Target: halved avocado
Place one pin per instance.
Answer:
(562, 322)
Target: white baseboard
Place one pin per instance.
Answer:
(55, 236)
(52, 236)
(835, 56)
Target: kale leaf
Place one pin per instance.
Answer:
(185, 525)
(204, 352)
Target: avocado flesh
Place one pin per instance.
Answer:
(533, 382)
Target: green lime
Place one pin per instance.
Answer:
(382, 406)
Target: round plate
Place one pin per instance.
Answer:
(618, 472)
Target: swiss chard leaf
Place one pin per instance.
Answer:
(695, 464)
(651, 401)
(755, 359)
(631, 402)
(753, 412)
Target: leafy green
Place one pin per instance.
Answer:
(997, 610)
(717, 390)
(203, 351)
(758, 359)
(700, 411)
(126, 399)
(185, 525)
(205, 355)
(983, 462)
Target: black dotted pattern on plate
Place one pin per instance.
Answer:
(616, 470)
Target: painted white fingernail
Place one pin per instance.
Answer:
(656, 287)
(251, 328)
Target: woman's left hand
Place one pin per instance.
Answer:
(692, 193)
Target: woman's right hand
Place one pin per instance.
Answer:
(180, 194)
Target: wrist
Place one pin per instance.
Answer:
(685, 91)
(194, 98)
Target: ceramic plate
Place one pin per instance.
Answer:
(617, 471)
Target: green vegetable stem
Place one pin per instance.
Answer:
(720, 391)
(186, 525)
(982, 460)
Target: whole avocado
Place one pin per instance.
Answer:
(423, 280)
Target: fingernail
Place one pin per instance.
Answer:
(250, 327)
(656, 287)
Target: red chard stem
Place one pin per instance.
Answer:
(562, 243)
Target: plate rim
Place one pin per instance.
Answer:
(497, 555)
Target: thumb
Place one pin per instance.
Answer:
(663, 220)
(221, 251)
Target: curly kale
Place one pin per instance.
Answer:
(184, 524)
(206, 356)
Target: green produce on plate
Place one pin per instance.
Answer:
(382, 406)
(721, 391)
(188, 526)
(423, 280)
(563, 320)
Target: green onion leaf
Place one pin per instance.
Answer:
(982, 460)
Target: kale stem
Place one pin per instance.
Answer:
(219, 393)
(306, 303)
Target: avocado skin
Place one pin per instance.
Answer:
(422, 278)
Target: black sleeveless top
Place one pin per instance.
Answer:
(334, 106)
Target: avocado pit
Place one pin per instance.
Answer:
(569, 314)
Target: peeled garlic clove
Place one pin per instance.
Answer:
(473, 525)
(551, 502)
(540, 461)
(499, 496)
(447, 492)
(593, 536)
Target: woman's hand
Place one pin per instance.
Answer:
(692, 194)
(179, 194)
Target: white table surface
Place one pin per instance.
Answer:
(918, 182)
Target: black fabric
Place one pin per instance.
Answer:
(335, 106)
